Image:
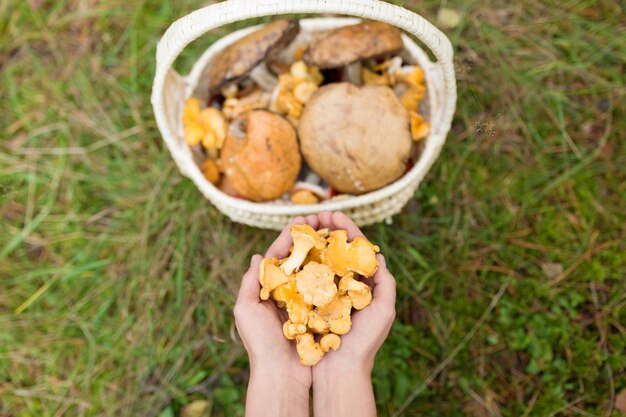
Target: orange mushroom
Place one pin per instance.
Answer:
(357, 256)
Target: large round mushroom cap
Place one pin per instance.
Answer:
(356, 138)
(347, 44)
(239, 58)
(260, 157)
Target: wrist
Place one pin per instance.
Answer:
(280, 376)
(328, 376)
(276, 392)
(337, 385)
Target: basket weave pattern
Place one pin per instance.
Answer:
(171, 89)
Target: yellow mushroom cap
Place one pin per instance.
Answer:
(304, 239)
(316, 283)
(359, 292)
(317, 323)
(288, 297)
(308, 349)
(211, 171)
(336, 314)
(358, 256)
(291, 330)
(330, 341)
(270, 277)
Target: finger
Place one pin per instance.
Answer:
(282, 315)
(341, 221)
(384, 285)
(250, 286)
(280, 247)
(313, 221)
(326, 219)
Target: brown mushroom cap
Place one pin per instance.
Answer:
(260, 157)
(347, 44)
(356, 138)
(238, 59)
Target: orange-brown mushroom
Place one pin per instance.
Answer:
(238, 59)
(347, 44)
(260, 157)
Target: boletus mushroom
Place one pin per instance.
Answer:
(238, 59)
(260, 157)
(348, 44)
(356, 138)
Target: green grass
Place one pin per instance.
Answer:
(117, 279)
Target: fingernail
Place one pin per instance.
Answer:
(298, 220)
(255, 259)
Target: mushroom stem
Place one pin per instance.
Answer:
(352, 73)
(263, 77)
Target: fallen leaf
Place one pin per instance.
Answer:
(551, 269)
(448, 18)
(620, 401)
(197, 408)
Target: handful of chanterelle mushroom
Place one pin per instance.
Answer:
(319, 285)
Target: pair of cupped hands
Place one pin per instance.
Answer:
(259, 323)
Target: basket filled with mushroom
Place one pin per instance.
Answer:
(296, 116)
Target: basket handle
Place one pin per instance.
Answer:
(188, 28)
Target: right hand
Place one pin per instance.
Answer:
(371, 325)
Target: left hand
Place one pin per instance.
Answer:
(260, 323)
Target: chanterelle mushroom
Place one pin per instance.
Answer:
(304, 239)
(334, 316)
(359, 292)
(238, 59)
(291, 330)
(344, 45)
(308, 349)
(270, 277)
(205, 126)
(316, 283)
(330, 341)
(287, 296)
(356, 138)
(260, 157)
(357, 256)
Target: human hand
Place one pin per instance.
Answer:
(371, 325)
(345, 374)
(274, 363)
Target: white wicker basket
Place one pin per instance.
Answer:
(171, 89)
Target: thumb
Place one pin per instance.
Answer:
(250, 287)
